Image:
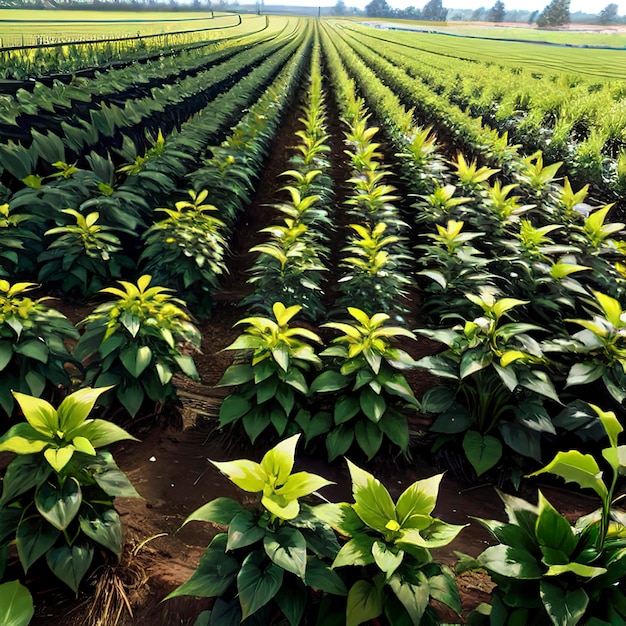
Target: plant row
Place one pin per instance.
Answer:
(568, 118)
(26, 63)
(99, 236)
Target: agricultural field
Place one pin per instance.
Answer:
(311, 323)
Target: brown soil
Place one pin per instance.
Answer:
(171, 471)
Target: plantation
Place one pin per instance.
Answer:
(294, 314)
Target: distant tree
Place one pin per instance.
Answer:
(479, 14)
(608, 15)
(433, 11)
(532, 18)
(340, 8)
(555, 14)
(496, 12)
(378, 8)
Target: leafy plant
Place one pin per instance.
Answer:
(365, 385)
(600, 348)
(495, 385)
(16, 242)
(137, 342)
(550, 572)
(185, 251)
(33, 352)
(58, 492)
(387, 555)
(271, 555)
(271, 385)
(373, 277)
(84, 257)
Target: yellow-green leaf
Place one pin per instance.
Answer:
(59, 457)
(40, 414)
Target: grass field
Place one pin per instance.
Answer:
(605, 64)
(28, 27)
(576, 34)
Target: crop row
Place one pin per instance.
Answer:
(568, 118)
(43, 60)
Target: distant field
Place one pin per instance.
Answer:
(606, 64)
(27, 27)
(590, 37)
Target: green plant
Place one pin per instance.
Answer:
(17, 604)
(495, 385)
(34, 357)
(600, 348)
(548, 572)
(84, 257)
(365, 387)
(271, 385)
(373, 278)
(471, 177)
(137, 342)
(271, 555)
(58, 492)
(387, 558)
(16, 242)
(185, 251)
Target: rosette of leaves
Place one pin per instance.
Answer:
(386, 560)
(366, 389)
(58, 492)
(495, 385)
(600, 348)
(271, 385)
(137, 342)
(83, 257)
(548, 571)
(16, 242)
(185, 251)
(271, 556)
(33, 351)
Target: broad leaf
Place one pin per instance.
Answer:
(565, 607)
(373, 504)
(59, 505)
(483, 451)
(219, 511)
(365, 602)
(17, 604)
(70, 564)
(511, 562)
(582, 469)
(34, 538)
(104, 528)
(258, 581)
(287, 548)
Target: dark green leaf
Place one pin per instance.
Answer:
(243, 530)
(291, 599)
(287, 548)
(565, 607)
(23, 473)
(511, 562)
(483, 451)
(70, 564)
(104, 528)
(330, 380)
(320, 576)
(34, 538)
(59, 505)
(233, 408)
(258, 582)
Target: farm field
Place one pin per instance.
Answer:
(295, 245)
